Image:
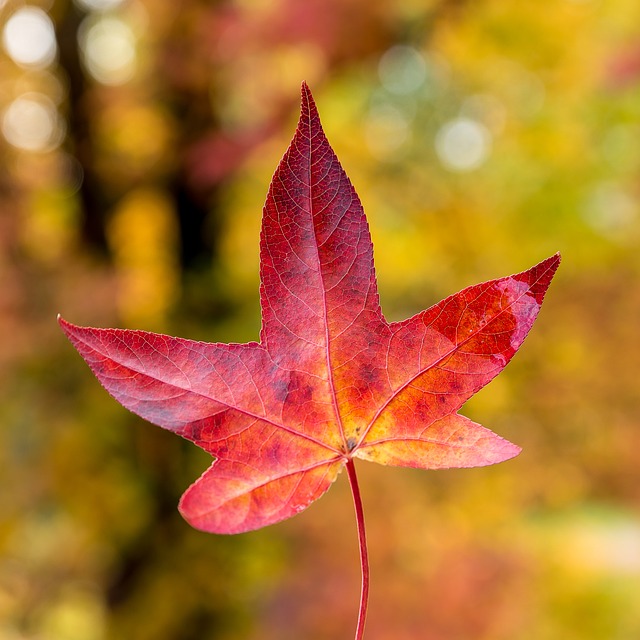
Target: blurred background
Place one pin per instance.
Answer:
(137, 140)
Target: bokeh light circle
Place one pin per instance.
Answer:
(402, 70)
(29, 38)
(32, 123)
(108, 46)
(463, 144)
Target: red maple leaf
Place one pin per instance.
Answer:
(330, 379)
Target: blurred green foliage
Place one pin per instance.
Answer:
(482, 137)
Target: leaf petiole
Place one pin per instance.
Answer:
(364, 555)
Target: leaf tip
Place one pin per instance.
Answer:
(65, 325)
(551, 262)
(308, 105)
(509, 451)
(69, 329)
(549, 267)
(500, 450)
(305, 92)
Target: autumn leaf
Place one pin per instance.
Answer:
(330, 379)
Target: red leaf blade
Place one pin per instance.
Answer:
(439, 358)
(316, 255)
(453, 441)
(232, 497)
(330, 378)
(163, 380)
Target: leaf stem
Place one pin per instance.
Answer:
(364, 555)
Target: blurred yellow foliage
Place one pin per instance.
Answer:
(142, 235)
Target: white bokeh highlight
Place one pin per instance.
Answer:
(29, 38)
(463, 144)
(108, 46)
(32, 123)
